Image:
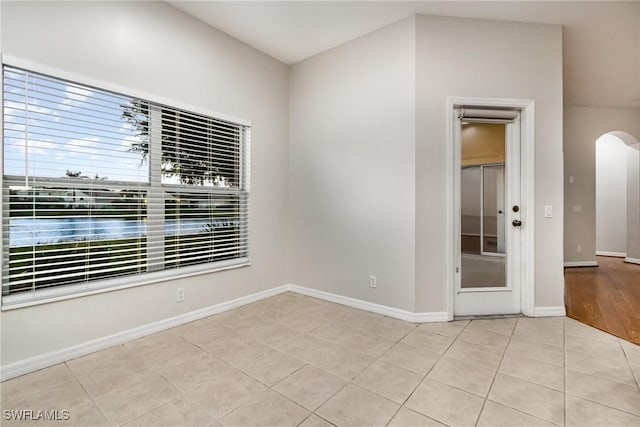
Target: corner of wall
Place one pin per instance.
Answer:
(351, 184)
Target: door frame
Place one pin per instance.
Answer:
(527, 171)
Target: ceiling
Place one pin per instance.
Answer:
(601, 40)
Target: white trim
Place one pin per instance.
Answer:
(581, 264)
(396, 313)
(632, 260)
(527, 130)
(42, 361)
(430, 316)
(452, 180)
(614, 254)
(35, 363)
(4, 266)
(527, 270)
(123, 90)
(549, 311)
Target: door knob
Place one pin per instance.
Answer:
(516, 223)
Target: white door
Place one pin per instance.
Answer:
(487, 214)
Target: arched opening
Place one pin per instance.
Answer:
(611, 196)
(617, 198)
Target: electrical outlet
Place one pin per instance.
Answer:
(180, 295)
(372, 281)
(579, 249)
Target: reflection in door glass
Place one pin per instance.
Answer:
(483, 185)
(493, 209)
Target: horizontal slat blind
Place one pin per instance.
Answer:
(99, 185)
(201, 227)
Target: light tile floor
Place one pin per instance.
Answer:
(293, 360)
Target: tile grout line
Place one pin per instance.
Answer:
(180, 396)
(350, 381)
(75, 377)
(145, 371)
(566, 394)
(504, 352)
(424, 377)
(603, 404)
(209, 354)
(626, 356)
(603, 378)
(600, 356)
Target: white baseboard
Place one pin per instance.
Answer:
(632, 260)
(581, 264)
(35, 363)
(614, 254)
(396, 313)
(42, 361)
(430, 316)
(549, 311)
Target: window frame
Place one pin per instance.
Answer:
(70, 291)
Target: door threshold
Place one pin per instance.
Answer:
(489, 316)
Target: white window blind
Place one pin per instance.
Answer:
(99, 187)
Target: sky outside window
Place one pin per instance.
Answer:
(72, 131)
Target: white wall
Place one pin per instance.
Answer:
(611, 195)
(467, 57)
(582, 127)
(154, 48)
(351, 168)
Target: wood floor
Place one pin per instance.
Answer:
(606, 297)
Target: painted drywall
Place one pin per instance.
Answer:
(154, 48)
(611, 194)
(351, 167)
(633, 201)
(582, 127)
(467, 57)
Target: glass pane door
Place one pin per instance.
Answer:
(482, 207)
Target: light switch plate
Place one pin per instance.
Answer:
(548, 211)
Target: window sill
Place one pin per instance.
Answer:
(46, 296)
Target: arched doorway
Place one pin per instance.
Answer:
(611, 196)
